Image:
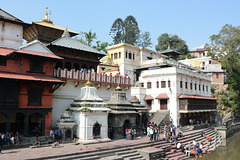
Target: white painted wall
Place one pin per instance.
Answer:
(10, 35)
(64, 96)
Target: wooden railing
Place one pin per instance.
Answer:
(93, 77)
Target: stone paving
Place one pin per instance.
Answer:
(69, 148)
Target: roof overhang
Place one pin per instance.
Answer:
(197, 111)
(148, 97)
(195, 97)
(162, 96)
(41, 54)
(29, 77)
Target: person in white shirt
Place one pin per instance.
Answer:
(51, 134)
(151, 134)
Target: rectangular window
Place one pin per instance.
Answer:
(199, 87)
(203, 63)
(169, 84)
(3, 61)
(35, 96)
(111, 56)
(126, 54)
(119, 55)
(180, 84)
(217, 75)
(36, 66)
(195, 86)
(130, 56)
(142, 84)
(133, 56)
(190, 85)
(185, 85)
(210, 62)
(163, 84)
(8, 93)
(203, 87)
(149, 85)
(157, 84)
(207, 88)
(115, 55)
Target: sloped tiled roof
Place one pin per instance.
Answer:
(6, 51)
(29, 77)
(162, 96)
(148, 97)
(196, 97)
(68, 42)
(53, 56)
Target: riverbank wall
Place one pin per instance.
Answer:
(229, 128)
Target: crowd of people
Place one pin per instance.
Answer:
(170, 134)
(9, 138)
(130, 133)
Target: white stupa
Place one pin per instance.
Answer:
(91, 115)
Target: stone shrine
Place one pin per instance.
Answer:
(91, 115)
(124, 114)
(65, 125)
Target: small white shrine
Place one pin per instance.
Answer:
(91, 116)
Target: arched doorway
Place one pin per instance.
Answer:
(35, 127)
(96, 130)
(126, 125)
(68, 66)
(2, 122)
(76, 66)
(17, 123)
(84, 66)
(59, 64)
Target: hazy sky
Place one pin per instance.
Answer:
(192, 20)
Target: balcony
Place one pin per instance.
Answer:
(92, 76)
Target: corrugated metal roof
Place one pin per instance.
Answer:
(69, 42)
(169, 51)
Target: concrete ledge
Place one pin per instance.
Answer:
(152, 153)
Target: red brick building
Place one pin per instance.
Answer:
(26, 81)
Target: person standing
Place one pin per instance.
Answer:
(57, 134)
(132, 133)
(135, 133)
(158, 134)
(174, 130)
(126, 131)
(151, 134)
(155, 132)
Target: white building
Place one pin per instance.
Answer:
(166, 84)
(130, 57)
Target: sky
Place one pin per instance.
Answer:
(192, 20)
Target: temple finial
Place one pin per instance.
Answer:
(169, 47)
(46, 17)
(88, 82)
(66, 33)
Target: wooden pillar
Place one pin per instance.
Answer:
(43, 125)
(8, 122)
(26, 125)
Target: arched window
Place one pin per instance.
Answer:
(76, 66)
(59, 64)
(96, 130)
(68, 65)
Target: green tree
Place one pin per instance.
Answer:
(116, 31)
(131, 30)
(88, 39)
(126, 31)
(101, 46)
(227, 44)
(165, 40)
(145, 40)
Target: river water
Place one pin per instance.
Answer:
(230, 152)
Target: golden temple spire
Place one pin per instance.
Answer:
(169, 47)
(107, 57)
(46, 17)
(88, 82)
